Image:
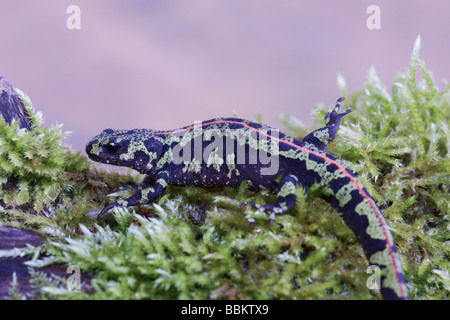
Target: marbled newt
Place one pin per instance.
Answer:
(228, 151)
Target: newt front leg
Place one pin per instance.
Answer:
(141, 196)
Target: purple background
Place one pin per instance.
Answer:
(165, 64)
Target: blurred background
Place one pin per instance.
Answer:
(163, 64)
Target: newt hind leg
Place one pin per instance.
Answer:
(322, 136)
(285, 198)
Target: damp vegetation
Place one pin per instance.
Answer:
(196, 243)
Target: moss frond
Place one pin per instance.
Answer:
(35, 169)
(403, 143)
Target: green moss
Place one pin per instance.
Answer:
(39, 178)
(198, 244)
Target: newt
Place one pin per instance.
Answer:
(228, 151)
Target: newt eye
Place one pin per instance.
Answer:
(112, 148)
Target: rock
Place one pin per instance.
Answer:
(10, 105)
(11, 238)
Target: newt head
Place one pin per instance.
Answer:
(127, 148)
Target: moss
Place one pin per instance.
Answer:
(39, 177)
(198, 244)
